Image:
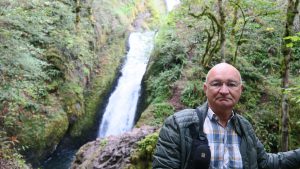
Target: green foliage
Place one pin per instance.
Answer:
(38, 47)
(293, 42)
(155, 114)
(6, 145)
(295, 67)
(292, 39)
(192, 95)
(49, 51)
(294, 123)
(114, 17)
(73, 97)
(142, 156)
(159, 86)
(167, 56)
(161, 111)
(148, 144)
(126, 8)
(182, 39)
(165, 67)
(265, 123)
(294, 93)
(9, 152)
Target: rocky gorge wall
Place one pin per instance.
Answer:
(132, 149)
(82, 44)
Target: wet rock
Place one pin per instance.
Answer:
(112, 152)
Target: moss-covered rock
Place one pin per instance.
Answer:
(125, 151)
(40, 133)
(101, 83)
(141, 158)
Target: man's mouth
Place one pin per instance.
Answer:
(223, 98)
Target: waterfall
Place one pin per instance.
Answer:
(120, 111)
(170, 4)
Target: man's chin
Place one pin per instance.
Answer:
(225, 104)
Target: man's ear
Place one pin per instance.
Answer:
(204, 87)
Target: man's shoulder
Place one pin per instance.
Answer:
(184, 118)
(184, 113)
(245, 124)
(242, 119)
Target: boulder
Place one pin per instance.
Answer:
(113, 152)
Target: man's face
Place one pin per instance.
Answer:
(223, 87)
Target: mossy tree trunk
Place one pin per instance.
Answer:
(287, 54)
(222, 29)
(212, 47)
(237, 7)
(234, 20)
(77, 10)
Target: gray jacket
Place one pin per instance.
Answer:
(174, 144)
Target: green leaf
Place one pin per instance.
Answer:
(289, 45)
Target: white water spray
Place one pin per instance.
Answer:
(170, 4)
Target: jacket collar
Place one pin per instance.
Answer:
(204, 108)
(236, 124)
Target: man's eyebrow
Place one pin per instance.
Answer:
(230, 80)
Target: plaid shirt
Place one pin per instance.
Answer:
(224, 143)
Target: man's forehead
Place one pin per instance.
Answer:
(224, 75)
(223, 79)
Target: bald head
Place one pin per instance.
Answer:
(225, 68)
(223, 88)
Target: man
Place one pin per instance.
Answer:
(231, 138)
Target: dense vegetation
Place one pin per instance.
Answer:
(58, 60)
(190, 42)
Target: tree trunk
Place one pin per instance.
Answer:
(77, 19)
(287, 54)
(234, 21)
(233, 32)
(222, 31)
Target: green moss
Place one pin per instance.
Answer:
(101, 84)
(192, 94)
(158, 12)
(43, 132)
(142, 156)
(55, 58)
(147, 118)
(59, 72)
(155, 114)
(73, 99)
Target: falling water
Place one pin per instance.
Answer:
(120, 111)
(170, 4)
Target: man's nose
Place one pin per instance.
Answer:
(224, 89)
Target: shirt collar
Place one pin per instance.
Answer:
(212, 116)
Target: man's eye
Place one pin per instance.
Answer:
(216, 84)
(232, 84)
